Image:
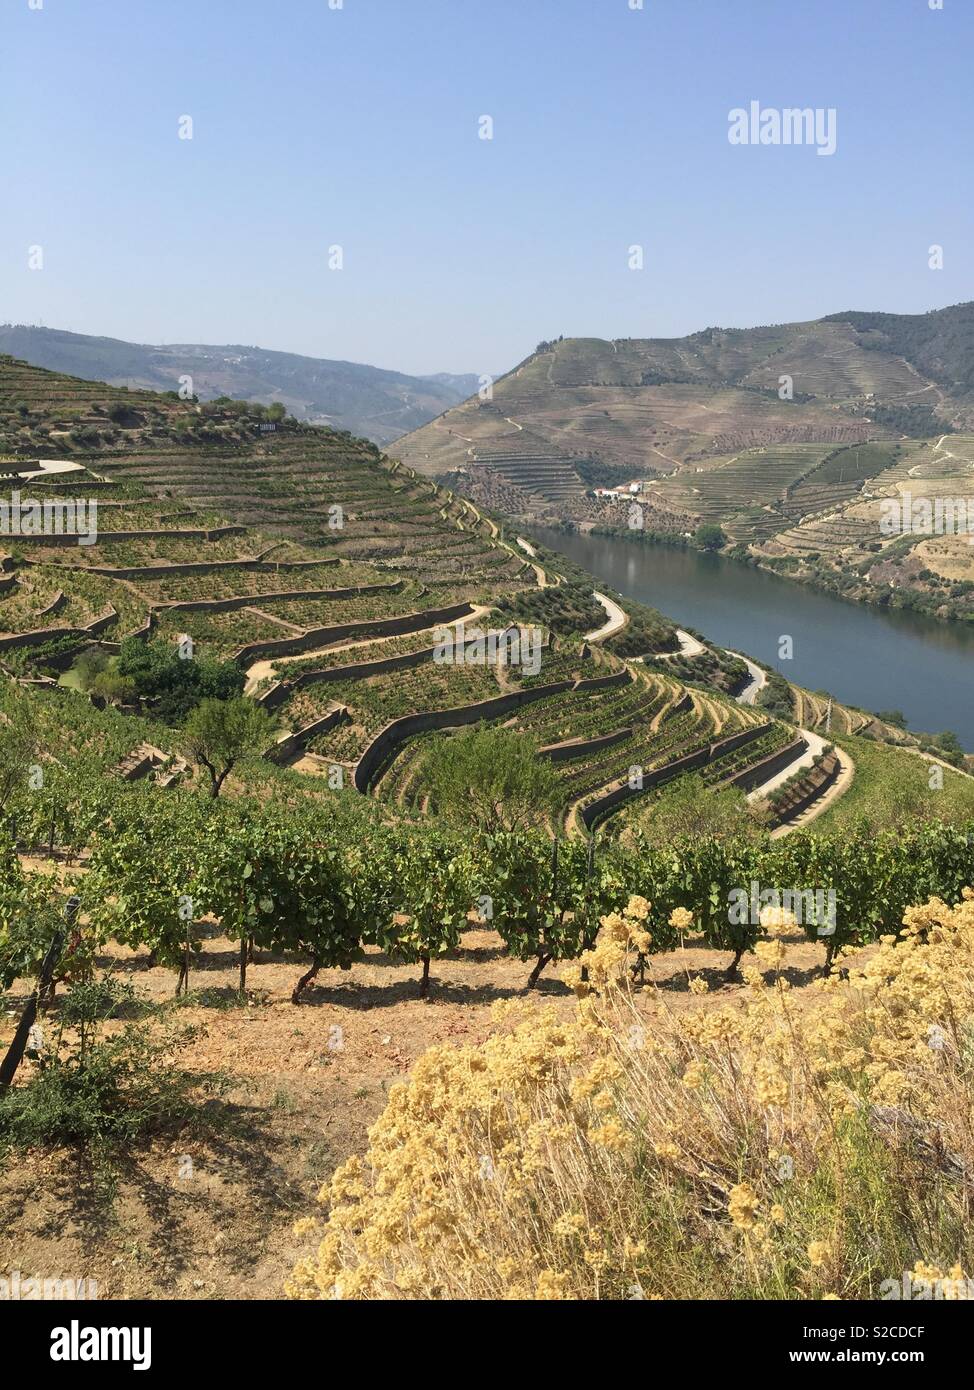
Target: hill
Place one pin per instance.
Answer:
(307, 907)
(651, 407)
(368, 401)
(322, 570)
(877, 406)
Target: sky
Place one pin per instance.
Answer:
(357, 124)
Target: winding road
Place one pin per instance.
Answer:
(749, 695)
(617, 619)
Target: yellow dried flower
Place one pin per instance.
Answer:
(743, 1205)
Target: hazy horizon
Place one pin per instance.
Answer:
(359, 128)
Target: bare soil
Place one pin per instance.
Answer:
(210, 1216)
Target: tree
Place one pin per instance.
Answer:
(433, 876)
(492, 778)
(709, 537)
(176, 683)
(89, 666)
(219, 733)
(116, 689)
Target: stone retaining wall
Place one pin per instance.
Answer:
(227, 605)
(623, 677)
(287, 747)
(109, 537)
(39, 635)
(56, 604)
(690, 762)
(577, 747)
(361, 670)
(162, 571)
(377, 627)
(408, 726)
(816, 782)
(683, 706)
(99, 624)
(768, 767)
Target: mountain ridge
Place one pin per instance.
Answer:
(654, 405)
(374, 402)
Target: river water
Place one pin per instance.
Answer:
(870, 657)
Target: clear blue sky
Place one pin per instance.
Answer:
(358, 127)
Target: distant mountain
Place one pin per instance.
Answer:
(634, 407)
(940, 344)
(467, 383)
(379, 405)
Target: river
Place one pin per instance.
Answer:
(875, 658)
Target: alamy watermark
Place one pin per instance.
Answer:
(937, 1288)
(62, 516)
(15, 1287)
(790, 125)
(907, 515)
(510, 646)
(809, 907)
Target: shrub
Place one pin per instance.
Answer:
(174, 684)
(95, 1092)
(768, 1151)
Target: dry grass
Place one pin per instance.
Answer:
(757, 1151)
(295, 1110)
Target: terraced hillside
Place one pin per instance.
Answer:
(694, 432)
(229, 526)
(840, 538)
(700, 425)
(328, 577)
(344, 395)
(655, 405)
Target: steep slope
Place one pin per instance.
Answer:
(646, 407)
(368, 401)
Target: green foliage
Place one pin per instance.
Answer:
(172, 684)
(143, 884)
(646, 631)
(946, 745)
(491, 778)
(114, 688)
(776, 697)
(565, 609)
(937, 342)
(30, 915)
(689, 807)
(543, 898)
(95, 1092)
(219, 733)
(18, 752)
(89, 666)
(433, 876)
(915, 421)
(710, 537)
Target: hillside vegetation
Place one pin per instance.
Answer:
(790, 438)
(252, 728)
(368, 401)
